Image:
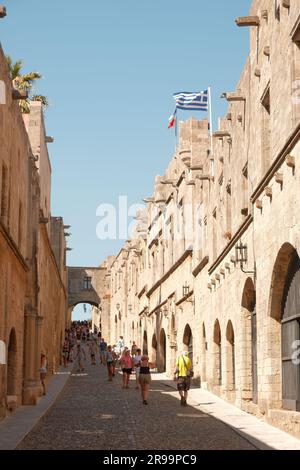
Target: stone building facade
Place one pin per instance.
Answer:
(33, 277)
(213, 266)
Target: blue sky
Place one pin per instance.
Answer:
(110, 69)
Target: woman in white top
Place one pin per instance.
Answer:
(43, 371)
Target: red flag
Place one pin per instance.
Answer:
(172, 119)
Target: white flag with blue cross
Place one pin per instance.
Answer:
(195, 101)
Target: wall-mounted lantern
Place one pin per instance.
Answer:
(165, 311)
(185, 289)
(241, 256)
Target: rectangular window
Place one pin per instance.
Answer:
(245, 188)
(266, 130)
(4, 194)
(228, 212)
(20, 228)
(87, 283)
(215, 234)
(277, 10)
(198, 238)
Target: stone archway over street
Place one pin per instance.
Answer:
(90, 285)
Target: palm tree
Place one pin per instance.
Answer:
(25, 82)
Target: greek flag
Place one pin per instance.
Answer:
(196, 101)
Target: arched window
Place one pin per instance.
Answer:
(188, 340)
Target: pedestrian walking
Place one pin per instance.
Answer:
(134, 348)
(183, 374)
(66, 351)
(145, 377)
(93, 351)
(72, 343)
(120, 345)
(103, 349)
(116, 358)
(43, 371)
(127, 366)
(110, 363)
(80, 358)
(137, 364)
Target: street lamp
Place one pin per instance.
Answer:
(185, 289)
(241, 256)
(241, 253)
(129, 308)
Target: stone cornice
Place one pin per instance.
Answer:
(232, 243)
(158, 307)
(184, 298)
(182, 258)
(11, 243)
(200, 266)
(142, 291)
(288, 147)
(100, 268)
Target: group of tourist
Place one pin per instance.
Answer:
(79, 340)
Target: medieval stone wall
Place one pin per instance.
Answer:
(190, 292)
(32, 285)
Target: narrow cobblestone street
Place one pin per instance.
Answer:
(92, 413)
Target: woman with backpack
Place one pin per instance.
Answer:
(145, 377)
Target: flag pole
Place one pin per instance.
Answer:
(176, 129)
(210, 122)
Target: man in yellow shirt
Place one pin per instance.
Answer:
(183, 374)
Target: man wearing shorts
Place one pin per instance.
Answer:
(183, 374)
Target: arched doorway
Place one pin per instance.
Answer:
(290, 336)
(188, 341)
(230, 357)
(2, 353)
(203, 355)
(145, 343)
(249, 331)
(217, 354)
(284, 329)
(172, 345)
(162, 351)
(12, 363)
(154, 349)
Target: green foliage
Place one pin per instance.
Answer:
(25, 82)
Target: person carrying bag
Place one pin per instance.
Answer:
(183, 374)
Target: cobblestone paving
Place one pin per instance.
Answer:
(92, 413)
